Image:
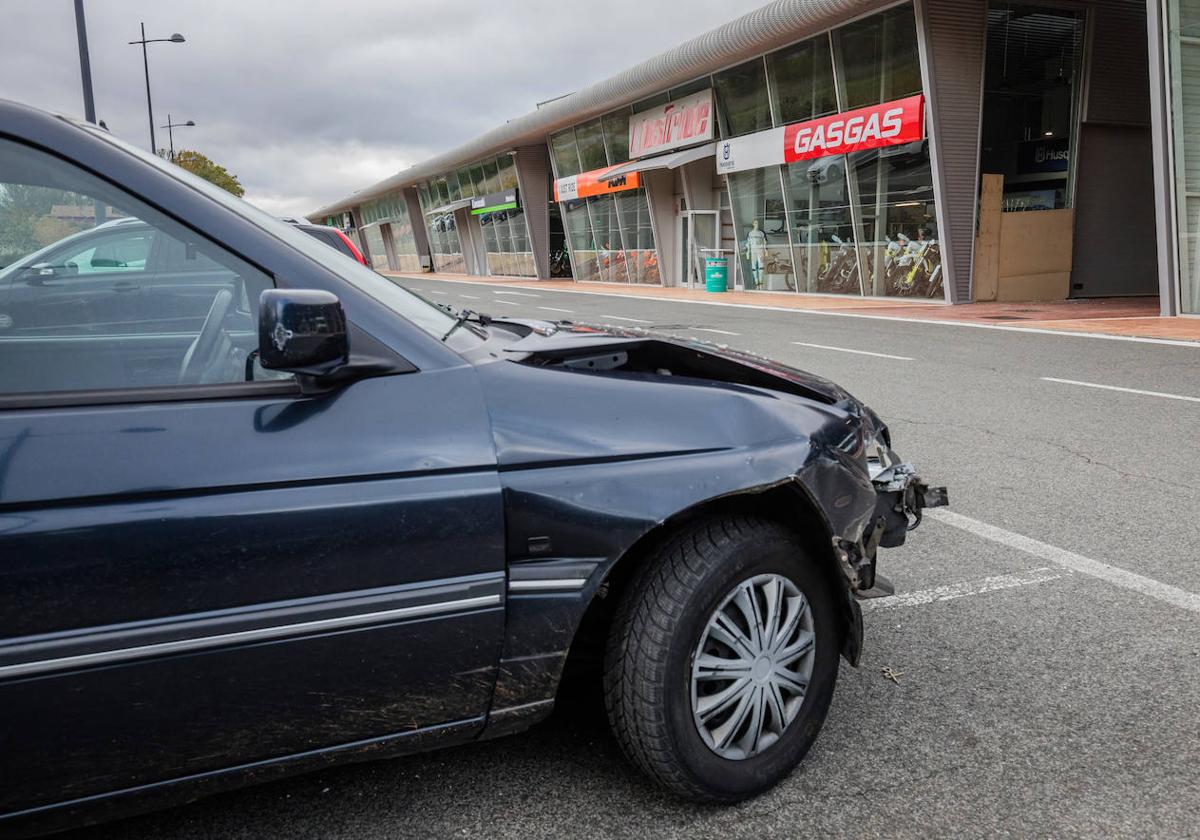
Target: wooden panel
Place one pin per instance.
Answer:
(1035, 255)
(987, 241)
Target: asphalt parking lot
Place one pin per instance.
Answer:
(1043, 646)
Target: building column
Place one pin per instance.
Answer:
(413, 204)
(952, 36)
(660, 195)
(1164, 170)
(533, 180)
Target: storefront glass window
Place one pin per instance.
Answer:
(465, 186)
(583, 248)
(616, 136)
(375, 247)
(822, 227)
(764, 245)
(508, 171)
(491, 176)
(1030, 102)
(742, 103)
(566, 158)
(802, 81)
(1184, 44)
(590, 139)
(879, 60)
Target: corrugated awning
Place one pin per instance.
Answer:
(452, 206)
(671, 160)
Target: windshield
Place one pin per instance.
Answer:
(424, 314)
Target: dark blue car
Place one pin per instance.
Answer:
(262, 509)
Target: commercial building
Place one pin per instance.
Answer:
(951, 150)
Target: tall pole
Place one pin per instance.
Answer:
(171, 136)
(85, 63)
(149, 104)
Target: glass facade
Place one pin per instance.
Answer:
(610, 236)
(384, 219)
(444, 244)
(504, 233)
(863, 223)
(1183, 34)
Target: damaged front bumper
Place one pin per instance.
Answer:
(900, 498)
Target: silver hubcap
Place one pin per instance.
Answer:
(751, 670)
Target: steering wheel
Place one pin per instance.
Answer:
(203, 351)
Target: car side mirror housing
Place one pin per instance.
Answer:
(302, 331)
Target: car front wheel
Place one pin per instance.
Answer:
(722, 659)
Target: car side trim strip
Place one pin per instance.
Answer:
(551, 583)
(261, 634)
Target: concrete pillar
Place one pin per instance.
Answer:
(533, 180)
(660, 195)
(413, 204)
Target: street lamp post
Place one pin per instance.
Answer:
(171, 135)
(174, 39)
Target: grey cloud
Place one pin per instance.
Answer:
(307, 101)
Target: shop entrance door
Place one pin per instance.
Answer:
(700, 231)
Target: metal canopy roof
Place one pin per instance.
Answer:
(671, 160)
(451, 207)
(774, 25)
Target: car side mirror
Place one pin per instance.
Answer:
(302, 331)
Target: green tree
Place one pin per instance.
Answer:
(201, 165)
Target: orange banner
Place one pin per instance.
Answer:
(594, 183)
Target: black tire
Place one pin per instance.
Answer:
(647, 674)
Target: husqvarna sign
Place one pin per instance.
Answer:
(890, 124)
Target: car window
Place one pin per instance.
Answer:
(127, 251)
(425, 315)
(99, 291)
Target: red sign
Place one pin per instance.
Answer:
(889, 124)
(681, 122)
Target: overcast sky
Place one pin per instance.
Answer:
(308, 101)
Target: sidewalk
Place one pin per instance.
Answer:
(1137, 316)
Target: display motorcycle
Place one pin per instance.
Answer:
(840, 273)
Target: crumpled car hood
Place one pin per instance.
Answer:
(566, 340)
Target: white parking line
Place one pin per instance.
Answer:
(856, 352)
(952, 591)
(509, 302)
(711, 330)
(518, 294)
(1118, 388)
(1070, 560)
(630, 320)
(468, 297)
(554, 309)
(436, 292)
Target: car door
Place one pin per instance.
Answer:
(226, 575)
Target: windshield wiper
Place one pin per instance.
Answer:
(464, 315)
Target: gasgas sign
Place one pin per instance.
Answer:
(890, 124)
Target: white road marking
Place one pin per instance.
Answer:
(857, 352)
(1070, 560)
(518, 294)
(1118, 388)
(468, 297)
(951, 591)
(711, 330)
(509, 302)
(1171, 342)
(630, 320)
(554, 309)
(436, 292)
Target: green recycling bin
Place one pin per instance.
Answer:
(716, 269)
